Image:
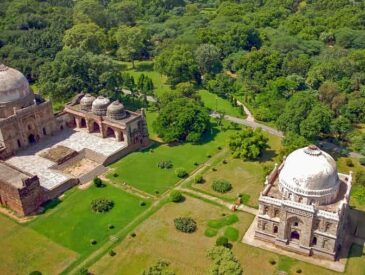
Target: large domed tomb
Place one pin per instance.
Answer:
(309, 175)
(14, 91)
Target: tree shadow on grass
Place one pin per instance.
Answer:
(268, 155)
(49, 205)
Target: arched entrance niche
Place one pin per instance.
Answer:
(95, 128)
(110, 132)
(294, 236)
(32, 139)
(82, 123)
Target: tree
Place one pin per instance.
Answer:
(293, 141)
(160, 268)
(181, 119)
(341, 126)
(222, 85)
(208, 59)
(131, 43)
(248, 144)
(176, 196)
(224, 262)
(125, 12)
(86, 36)
(317, 122)
(89, 11)
(179, 64)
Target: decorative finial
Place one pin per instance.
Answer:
(3, 68)
(312, 150)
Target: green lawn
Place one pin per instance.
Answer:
(24, 250)
(140, 170)
(72, 223)
(219, 104)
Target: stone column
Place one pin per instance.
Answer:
(118, 135)
(78, 122)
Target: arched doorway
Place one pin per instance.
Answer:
(95, 128)
(110, 133)
(82, 123)
(294, 236)
(314, 241)
(275, 229)
(32, 139)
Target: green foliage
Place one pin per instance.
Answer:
(198, 179)
(293, 141)
(165, 164)
(221, 186)
(160, 268)
(248, 144)
(231, 233)
(224, 262)
(176, 196)
(185, 224)
(35, 273)
(208, 59)
(219, 223)
(210, 232)
(362, 161)
(181, 172)
(83, 271)
(101, 205)
(98, 182)
(222, 241)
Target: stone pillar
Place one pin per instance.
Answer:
(78, 122)
(126, 137)
(118, 135)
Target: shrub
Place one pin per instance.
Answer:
(210, 232)
(349, 163)
(299, 270)
(133, 234)
(142, 203)
(111, 226)
(112, 253)
(362, 161)
(165, 164)
(272, 262)
(36, 272)
(181, 172)
(101, 205)
(196, 164)
(221, 186)
(93, 242)
(199, 179)
(209, 156)
(115, 175)
(224, 161)
(219, 148)
(185, 224)
(98, 182)
(231, 233)
(214, 169)
(222, 241)
(176, 196)
(83, 271)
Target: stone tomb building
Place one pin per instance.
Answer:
(305, 204)
(43, 154)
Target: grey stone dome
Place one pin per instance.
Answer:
(99, 105)
(13, 85)
(310, 172)
(86, 102)
(116, 111)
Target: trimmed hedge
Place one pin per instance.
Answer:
(185, 224)
(221, 186)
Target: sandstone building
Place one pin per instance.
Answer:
(43, 154)
(305, 203)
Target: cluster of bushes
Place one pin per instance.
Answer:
(221, 186)
(176, 196)
(165, 164)
(101, 205)
(181, 172)
(185, 224)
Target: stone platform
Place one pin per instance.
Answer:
(30, 159)
(338, 266)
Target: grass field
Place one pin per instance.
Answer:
(157, 239)
(24, 250)
(219, 104)
(246, 177)
(140, 169)
(72, 223)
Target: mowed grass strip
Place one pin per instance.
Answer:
(140, 169)
(24, 250)
(73, 225)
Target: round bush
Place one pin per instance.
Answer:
(272, 262)
(362, 161)
(165, 164)
(101, 205)
(111, 226)
(299, 271)
(36, 272)
(93, 242)
(349, 163)
(221, 186)
(98, 182)
(112, 253)
(185, 224)
(133, 234)
(176, 196)
(142, 203)
(83, 271)
(115, 175)
(199, 179)
(181, 172)
(222, 241)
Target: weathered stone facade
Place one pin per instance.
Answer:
(301, 213)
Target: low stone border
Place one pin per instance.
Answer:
(338, 266)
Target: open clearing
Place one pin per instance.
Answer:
(24, 250)
(72, 223)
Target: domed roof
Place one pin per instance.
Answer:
(100, 105)
(308, 170)
(86, 102)
(116, 110)
(13, 85)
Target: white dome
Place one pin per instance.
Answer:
(13, 85)
(310, 172)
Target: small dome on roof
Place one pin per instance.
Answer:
(100, 105)
(116, 111)
(86, 102)
(13, 85)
